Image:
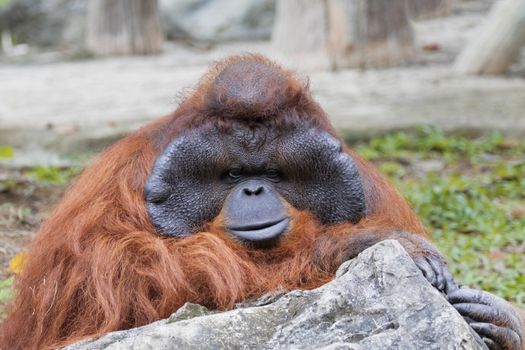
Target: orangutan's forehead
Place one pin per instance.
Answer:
(260, 138)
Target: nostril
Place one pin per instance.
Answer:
(256, 190)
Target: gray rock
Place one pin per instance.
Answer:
(218, 20)
(379, 300)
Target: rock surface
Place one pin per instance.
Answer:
(379, 300)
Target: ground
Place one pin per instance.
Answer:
(26, 198)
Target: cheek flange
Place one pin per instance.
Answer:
(180, 193)
(323, 179)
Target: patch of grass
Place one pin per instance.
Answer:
(5, 293)
(5, 289)
(52, 175)
(470, 193)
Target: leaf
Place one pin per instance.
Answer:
(17, 263)
(6, 152)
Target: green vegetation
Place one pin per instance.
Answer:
(5, 292)
(470, 194)
(6, 151)
(53, 175)
(5, 289)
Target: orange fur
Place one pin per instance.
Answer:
(97, 264)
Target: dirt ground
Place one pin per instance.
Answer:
(24, 203)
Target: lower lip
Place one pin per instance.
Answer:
(262, 234)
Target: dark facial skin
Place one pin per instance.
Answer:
(250, 174)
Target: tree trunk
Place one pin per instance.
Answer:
(300, 25)
(369, 33)
(423, 9)
(124, 27)
(498, 42)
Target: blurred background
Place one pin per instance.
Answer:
(431, 91)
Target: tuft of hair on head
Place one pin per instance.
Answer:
(250, 86)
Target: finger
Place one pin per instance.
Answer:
(489, 314)
(437, 266)
(451, 285)
(427, 271)
(491, 344)
(470, 295)
(481, 342)
(500, 311)
(504, 337)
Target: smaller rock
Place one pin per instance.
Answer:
(188, 311)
